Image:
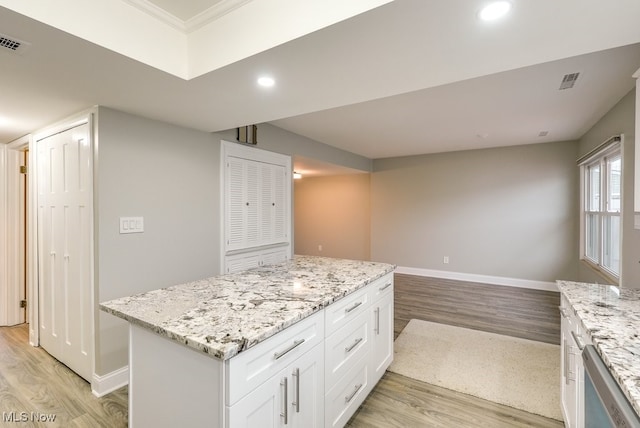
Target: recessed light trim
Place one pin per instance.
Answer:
(494, 11)
(266, 81)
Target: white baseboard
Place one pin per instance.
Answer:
(102, 385)
(485, 279)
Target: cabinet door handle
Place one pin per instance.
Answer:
(285, 405)
(284, 352)
(563, 312)
(578, 340)
(566, 362)
(296, 375)
(349, 397)
(387, 285)
(353, 345)
(351, 308)
(377, 321)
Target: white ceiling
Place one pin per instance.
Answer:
(186, 9)
(409, 77)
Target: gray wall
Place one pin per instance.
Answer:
(507, 212)
(170, 176)
(619, 120)
(280, 141)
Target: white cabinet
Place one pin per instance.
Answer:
(256, 205)
(314, 373)
(244, 261)
(257, 197)
(291, 398)
(382, 330)
(358, 348)
(572, 339)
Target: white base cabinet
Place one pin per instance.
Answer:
(573, 340)
(291, 398)
(314, 373)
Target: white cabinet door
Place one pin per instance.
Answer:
(306, 402)
(257, 203)
(292, 398)
(241, 203)
(273, 257)
(241, 262)
(382, 338)
(263, 407)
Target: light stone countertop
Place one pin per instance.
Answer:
(225, 315)
(612, 322)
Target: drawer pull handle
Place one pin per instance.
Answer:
(293, 346)
(285, 411)
(353, 345)
(387, 285)
(349, 397)
(355, 305)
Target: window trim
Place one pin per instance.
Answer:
(610, 148)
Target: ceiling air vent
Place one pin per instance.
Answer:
(11, 44)
(569, 80)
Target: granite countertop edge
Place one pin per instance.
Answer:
(611, 319)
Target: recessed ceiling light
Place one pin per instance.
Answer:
(495, 10)
(266, 81)
(4, 121)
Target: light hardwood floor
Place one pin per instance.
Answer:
(32, 381)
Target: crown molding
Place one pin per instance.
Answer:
(205, 17)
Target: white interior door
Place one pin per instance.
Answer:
(65, 247)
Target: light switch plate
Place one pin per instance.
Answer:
(131, 224)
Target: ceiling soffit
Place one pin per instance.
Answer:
(183, 23)
(236, 29)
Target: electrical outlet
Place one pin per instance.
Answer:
(445, 260)
(320, 247)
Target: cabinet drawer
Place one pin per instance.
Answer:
(251, 368)
(381, 287)
(343, 400)
(346, 309)
(346, 347)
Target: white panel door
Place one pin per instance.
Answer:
(65, 247)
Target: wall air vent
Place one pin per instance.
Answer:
(11, 44)
(569, 81)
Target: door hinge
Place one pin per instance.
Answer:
(23, 169)
(23, 303)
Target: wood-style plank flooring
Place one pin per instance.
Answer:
(32, 381)
(399, 401)
(512, 311)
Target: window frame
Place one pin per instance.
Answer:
(601, 159)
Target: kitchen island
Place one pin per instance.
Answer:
(300, 343)
(611, 320)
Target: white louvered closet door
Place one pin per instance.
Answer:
(65, 247)
(256, 204)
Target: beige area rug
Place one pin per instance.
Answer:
(519, 373)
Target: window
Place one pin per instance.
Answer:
(602, 203)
